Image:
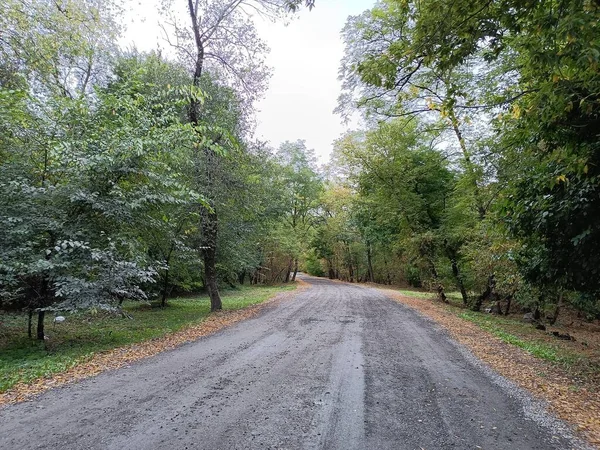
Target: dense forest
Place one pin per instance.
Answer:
(478, 170)
(133, 176)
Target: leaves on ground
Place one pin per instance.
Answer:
(123, 356)
(575, 401)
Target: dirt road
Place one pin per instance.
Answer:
(337, 366)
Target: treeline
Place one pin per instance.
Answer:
(478, 169)
(129, 176)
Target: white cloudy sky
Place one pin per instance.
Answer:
(305, 57)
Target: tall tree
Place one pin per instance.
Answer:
(403, 186)
(302, 186)
(221, 35)
(548, 123)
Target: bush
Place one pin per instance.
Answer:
(314, 266)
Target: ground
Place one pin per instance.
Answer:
(563, 373)
(335, 366)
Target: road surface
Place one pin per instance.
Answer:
(337, 366)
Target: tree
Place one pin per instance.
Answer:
(59, 48)
(113, 169)
(386, 76)
(222, 34)
(301, 187)
(49, 58)
(79, 183)
(527, 74)
(168, 228)
(337, 239)
(402, 186)
(548, 158)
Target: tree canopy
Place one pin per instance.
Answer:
(503, 98)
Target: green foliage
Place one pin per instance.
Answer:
(96, 183)
(548, 161)
(58, 49)
(297, 185)
(401, 188)
(478, 167)
(507, 93)
(103, 180)
(412, 274)
(313, 265)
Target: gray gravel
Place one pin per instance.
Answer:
(337, 366)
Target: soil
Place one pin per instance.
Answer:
(574, 397)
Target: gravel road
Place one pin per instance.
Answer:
(337, 366)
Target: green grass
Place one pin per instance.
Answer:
(521, 335)
(417, 294)
(81, 335)
(509, 330)
(454, 297)
(497, 326)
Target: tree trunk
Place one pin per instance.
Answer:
(439, 288)
(481, 210)
(456, 272)
(330, 269)
(388, 276)
(165, 289)
(289, 271)
(459, 282)
(554, 317)
(29, 322)
(487, 294)
(295, 270)
(209, 256)
(43, 301)
(371, 276)
(40, 325)
(210, 278)
(208, 216)
(508, 302)
(241, 277)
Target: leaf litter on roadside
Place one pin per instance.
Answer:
(580, 406)
(123, 356)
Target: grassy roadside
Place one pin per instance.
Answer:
(565, 374)
(83, 335)
(579, 357)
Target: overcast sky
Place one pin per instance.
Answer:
(305, 57)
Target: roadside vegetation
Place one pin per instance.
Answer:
(133, 177)
(131, 185)
(572, 344)
(475, 174)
